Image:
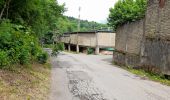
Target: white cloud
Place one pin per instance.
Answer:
(92, 10)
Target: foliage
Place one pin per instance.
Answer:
(41, 15)
(90, 51)
(42, 57)
(58, 47)
(23, 24)
(69, 24)
(126, 11)
(17, 44)
(3, 59)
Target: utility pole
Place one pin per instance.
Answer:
(78, 30)
(78, 24)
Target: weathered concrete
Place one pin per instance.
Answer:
(77, 48)
(69, 48)
(93, 77)
(93, 39)
(148, 39)
(129, 38)
(156, 49)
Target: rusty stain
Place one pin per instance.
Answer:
(161, 3)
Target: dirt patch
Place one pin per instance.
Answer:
(22, 83)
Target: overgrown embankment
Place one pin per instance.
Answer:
(25, 83)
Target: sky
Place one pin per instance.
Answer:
(92, 10)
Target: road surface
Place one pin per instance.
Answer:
(93, 77)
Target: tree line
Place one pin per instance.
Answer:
(23, 23)
(69, 24)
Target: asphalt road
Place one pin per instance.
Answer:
(93, 77)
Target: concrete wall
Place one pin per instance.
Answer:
(65, 39)
(158, 20)
(156, 49)
(146, 43)
(106, 39)
(128, 43)
(129, 37)
(73, 38)
(87, 39)
(90, 39)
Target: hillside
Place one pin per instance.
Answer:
(69, 24)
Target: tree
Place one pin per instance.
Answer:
(126, 11)
(23, 23)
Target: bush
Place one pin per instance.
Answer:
(42, 57)
(18, 45)
(90, 51)
(58, 47)
(4, 61)
(25, 56)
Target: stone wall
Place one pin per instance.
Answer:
(157, 24)
(156, 49)
(128, 43)
(146, 43)
(129, 37)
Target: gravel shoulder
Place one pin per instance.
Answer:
(93, 77)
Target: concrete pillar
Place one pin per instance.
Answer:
(69, 47)
(77, 48)
(97, 50)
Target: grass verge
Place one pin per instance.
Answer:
(151, 76)
(145, 74)
(25, 82)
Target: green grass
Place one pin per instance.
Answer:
(155, 77)
(146, 75)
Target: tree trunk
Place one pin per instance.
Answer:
(2, 11)
(7, 8)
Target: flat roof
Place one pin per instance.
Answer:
(90, 32)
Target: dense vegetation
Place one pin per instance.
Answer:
(69, 24)
(23, 23)
(126, 11)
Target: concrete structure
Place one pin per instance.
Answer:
(94, 39)
(155, 52)
(146, 43)
(128, 43)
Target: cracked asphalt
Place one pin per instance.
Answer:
(93, 77)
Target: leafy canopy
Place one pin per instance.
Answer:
(126, 11)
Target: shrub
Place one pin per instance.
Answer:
(25, 56)
(58, 47)
(18, 45)
(90, 51)
(42, 57)
(3, 59)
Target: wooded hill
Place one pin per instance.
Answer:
(69, 24)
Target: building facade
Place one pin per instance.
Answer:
(93, 39)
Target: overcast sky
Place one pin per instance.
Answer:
(92, 10)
